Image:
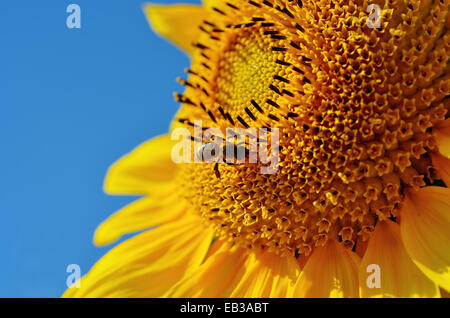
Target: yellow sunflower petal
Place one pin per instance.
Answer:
(425, 224)
(177, 23)
(442, 136)
(148, 264)
(139, 215)
(399, 276)
(442, 165)
(267, 275)
(331, 271)
(216, 277)
(234, 272)
(143, 171)
(208, 3)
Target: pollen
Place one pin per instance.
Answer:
(246, 69)
(355, 107)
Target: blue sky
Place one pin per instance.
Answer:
(72, 101)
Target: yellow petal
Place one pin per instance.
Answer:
(398, 275)
(233, 271)
(442, 165)
(425, 224)
(177, 23)
(331, 271)
(442, 136)
(216, 277)
(143, 171)
(148, 264)
(208, 3)
(139, 215)
(267, 275)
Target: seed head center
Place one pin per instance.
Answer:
(245, 71)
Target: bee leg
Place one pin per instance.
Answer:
(216, 170)
(228, 163)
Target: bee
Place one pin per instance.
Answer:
(206, 148)
(210, 152)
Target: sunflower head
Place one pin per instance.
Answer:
(354, 106)
(357, 97)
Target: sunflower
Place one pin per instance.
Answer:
(360, 98)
